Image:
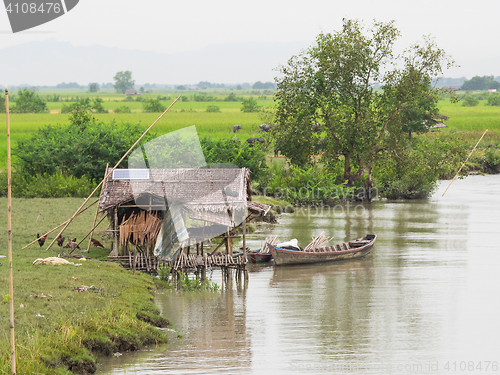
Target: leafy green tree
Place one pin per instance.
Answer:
(332, 83)
(93, 87)
(493, 99)
(153, 105)
(250, 105)
(123, 81)
(29, 102)
(417, 117)
(79, 149)
(2, 104)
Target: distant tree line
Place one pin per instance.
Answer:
(481, 83)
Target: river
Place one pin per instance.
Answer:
(425, 301)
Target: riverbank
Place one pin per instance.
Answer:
(59, 329)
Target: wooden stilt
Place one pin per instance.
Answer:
(115, 233)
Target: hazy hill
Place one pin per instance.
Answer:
(50, 62)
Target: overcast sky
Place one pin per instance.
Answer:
(467, 30)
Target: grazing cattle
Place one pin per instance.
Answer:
(236, 128)
(316, 127)
(251, 141)
(266, 127)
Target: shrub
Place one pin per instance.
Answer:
(88, 104)
(306, 186)
(470, 101)
(414, 171)
(29, 102)
(81, 148)
(250, 105)
(153, 105)
(123, 109)
(492, 157)
(58, 185)
(494, 99)
(233, 152)
(232, 98)
(212, 108)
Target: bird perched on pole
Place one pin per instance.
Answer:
(41, 240)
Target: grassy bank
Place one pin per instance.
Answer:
(58, 329)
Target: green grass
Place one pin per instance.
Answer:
(73, 328)
(477, 118)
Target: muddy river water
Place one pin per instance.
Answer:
(425, 301)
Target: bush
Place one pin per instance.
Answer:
(494, 99)
(414, 171)
(29, 102)
(80, 149)
(250, 105)
(88, 104)
(212, 108)
(233, 152)
(123, 109)
(232, 98)
(492, 157)
(58, 185)
(306, 186)
(470, 101)
(153, 105)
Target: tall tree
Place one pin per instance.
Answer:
(123, 81)
(93, 87)
(333, 83)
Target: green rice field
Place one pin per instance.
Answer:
(215, 125)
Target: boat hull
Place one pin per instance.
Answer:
(259, 257)
(324, 254)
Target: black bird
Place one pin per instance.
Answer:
(60, 240)
(41, 240)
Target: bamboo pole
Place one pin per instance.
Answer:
(111, 171)
(96, 213)
(9, 231)
(465, 162)
(59, 226)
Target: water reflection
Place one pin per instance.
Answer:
(424, 296)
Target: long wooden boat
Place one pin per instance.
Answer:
(347, 250)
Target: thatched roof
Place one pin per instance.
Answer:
(199, 190)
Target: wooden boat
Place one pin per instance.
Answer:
(347, 250)
(258, 257)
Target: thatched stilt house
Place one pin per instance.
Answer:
(163, 211)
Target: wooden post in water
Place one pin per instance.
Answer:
(9, 233)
